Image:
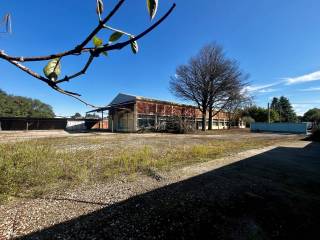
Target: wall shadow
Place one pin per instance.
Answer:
(274, 195)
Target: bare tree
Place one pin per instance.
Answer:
(209, 80)
(52, 70)
(238, 101)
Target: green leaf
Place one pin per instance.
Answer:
(115, 36)
(53, 69)
(134, 46)
(97, 41)
(105, 53)
(99, 7)
(152, 6)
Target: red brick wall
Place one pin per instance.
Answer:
(144, 107)
(101, 125)
(149, 108)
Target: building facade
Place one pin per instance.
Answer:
(128, 113)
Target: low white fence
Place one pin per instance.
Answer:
(75, 125)
(279, 127)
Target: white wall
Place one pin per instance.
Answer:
(73, 125)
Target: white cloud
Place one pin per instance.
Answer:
(315, 76)
(302, 107)
(268, 90)
(311, 89)
(261, 88)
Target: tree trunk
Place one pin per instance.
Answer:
(210, 118)
(204, 120)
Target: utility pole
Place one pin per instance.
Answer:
(269, 113)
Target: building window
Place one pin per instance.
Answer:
(146, 121)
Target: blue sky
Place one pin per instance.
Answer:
(276, 42)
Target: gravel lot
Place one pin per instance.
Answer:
(269, 193)
(12, 136)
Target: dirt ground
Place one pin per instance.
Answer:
(12, 136)
(269, 193)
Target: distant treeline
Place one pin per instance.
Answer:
(17, 106)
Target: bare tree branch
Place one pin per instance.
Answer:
(78, 50)
(119, 46)
(70, 94)
(81, 72)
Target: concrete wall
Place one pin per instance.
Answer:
(279, 127)
(123, 121)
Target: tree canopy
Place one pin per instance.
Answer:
(312, 115)
(76, 115)
(284, 109)
(260, 114)
(17, 106)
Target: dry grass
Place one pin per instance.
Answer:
(35, 167)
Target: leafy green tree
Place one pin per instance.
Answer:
(312, 115)
(76, 116)
(247, 120)
(284, 109)
(92, 115)
(275, 104)
(260, 114)
(17, 106)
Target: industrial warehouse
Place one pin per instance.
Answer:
(129, 113)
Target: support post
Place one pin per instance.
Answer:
(102, 119)
(112, 123)
(269, 113)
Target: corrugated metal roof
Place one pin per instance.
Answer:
(122, 98)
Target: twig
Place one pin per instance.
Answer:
(101, 23)
(81, 72)
(119, 46)
(117, 30)
(70, 94)
(30, 72)
(57, 64)
(51, 84)
(81, 48)
(78, 50)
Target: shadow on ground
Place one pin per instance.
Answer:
(274, 195)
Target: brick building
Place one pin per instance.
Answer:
(128, 113)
